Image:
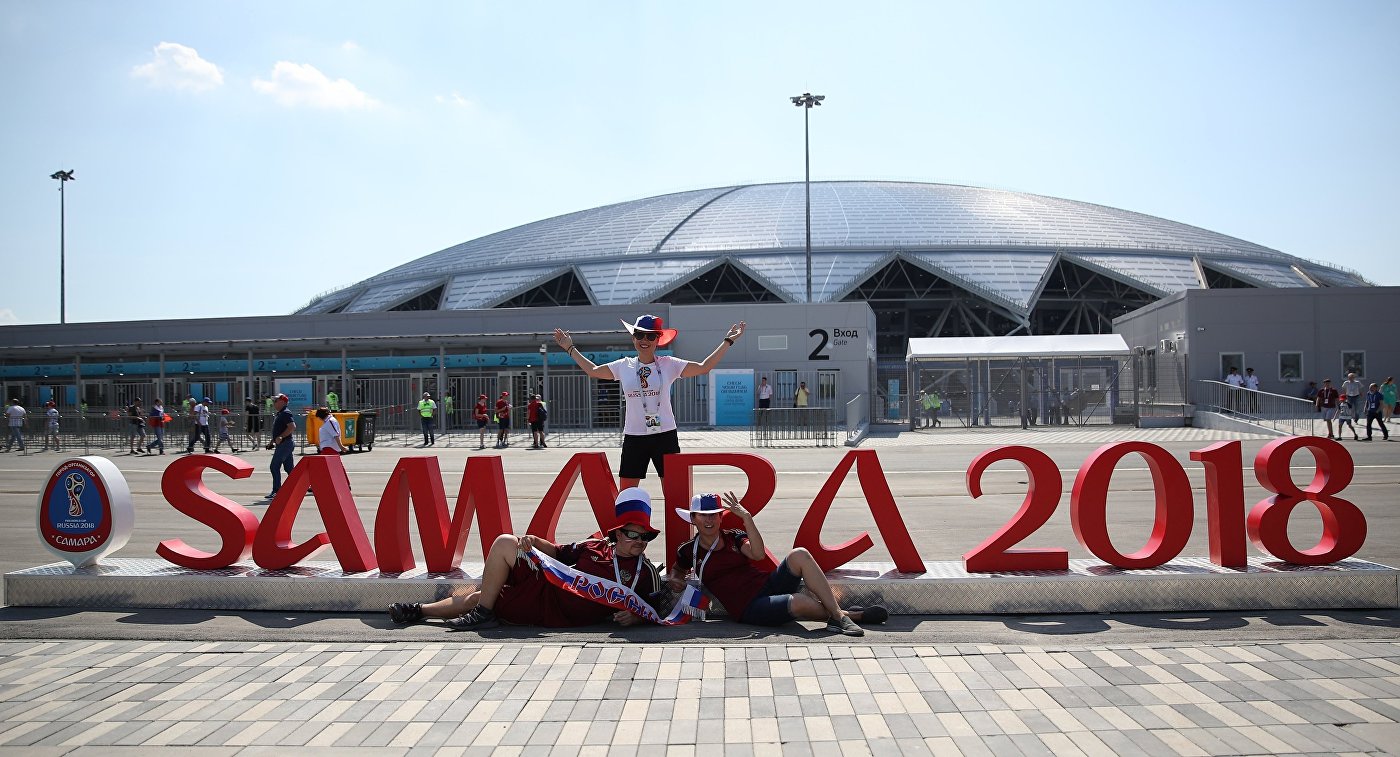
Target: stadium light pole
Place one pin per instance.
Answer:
(63, 178)
(806, 101)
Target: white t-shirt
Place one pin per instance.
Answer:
(765, 392)
(655, 399)
(201, 415)
(330, 434)
(52, 414)
(1352, 388)
(1234, 379)
(1251, 382)
(16, 415)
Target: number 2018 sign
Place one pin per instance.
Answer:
(1265, 525)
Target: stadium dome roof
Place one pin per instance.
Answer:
(746, 243)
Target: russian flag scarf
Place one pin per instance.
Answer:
(692, 603)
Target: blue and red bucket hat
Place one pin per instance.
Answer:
(653, 324)
(701, 504)
(633, 506)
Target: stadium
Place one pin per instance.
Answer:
(930, 259)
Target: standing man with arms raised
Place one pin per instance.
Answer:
(649, 432)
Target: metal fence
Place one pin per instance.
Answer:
(1289, 415)
(793, 427)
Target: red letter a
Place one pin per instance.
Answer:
(887, 518)
(416, 481)
(325, 475)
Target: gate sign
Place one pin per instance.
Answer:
(85, 510)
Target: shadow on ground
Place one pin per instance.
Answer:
(901, 630)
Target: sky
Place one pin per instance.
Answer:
(236, 159)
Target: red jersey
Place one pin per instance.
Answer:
(528, 599)
(479, 412)
(532, 411)
(1327, 397)
(502, 409)
(727, 574)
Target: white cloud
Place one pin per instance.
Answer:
(350, 46)
(454, 99)
(8, 317)
(294, 84)
(175, 66)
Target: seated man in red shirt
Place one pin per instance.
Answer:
(513, 591)
(722, 563)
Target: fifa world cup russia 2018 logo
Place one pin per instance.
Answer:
(643, 374)
(74, 485)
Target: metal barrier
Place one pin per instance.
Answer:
(1290, 415)
(857, 418)
(793, 426)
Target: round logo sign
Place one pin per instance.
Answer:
(85, 510)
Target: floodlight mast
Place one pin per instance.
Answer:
(63, 178)
(806, 101)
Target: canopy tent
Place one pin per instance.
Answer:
(1055, 380)
(1004, 347)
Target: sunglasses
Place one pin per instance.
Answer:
(637, 535)
(645, 336)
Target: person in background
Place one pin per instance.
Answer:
(1310, 393)
(200, 430)
(426, 409)
(283, 444)
(332, 401)
(14, 414)
(1251, 385)
(503, 408)
(224, 419)
(253, 423)
(1346, 416)
(51, 425)
(328, 438)
(1388, 391)
(157, 423)
(1326, 402)
(482, 417)
(448, 405)
(136, 434)
(535, 414)
(1352, 389)
(1374, 402)
(1235, 382)
(765, 400)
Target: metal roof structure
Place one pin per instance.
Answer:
(937, 259)
(994, 347)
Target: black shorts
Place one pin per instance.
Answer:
(772, 605)
(764, 404)
(640, 449)
(503, 422)
(481, 422)
(536, 425)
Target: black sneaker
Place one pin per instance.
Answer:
(480, 617)
(845, 626)
(876, 614)
(404, 613)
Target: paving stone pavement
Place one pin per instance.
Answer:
(1327, 697)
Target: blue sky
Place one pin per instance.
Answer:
(237, 158)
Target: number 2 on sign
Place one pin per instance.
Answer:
(1343, 524)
